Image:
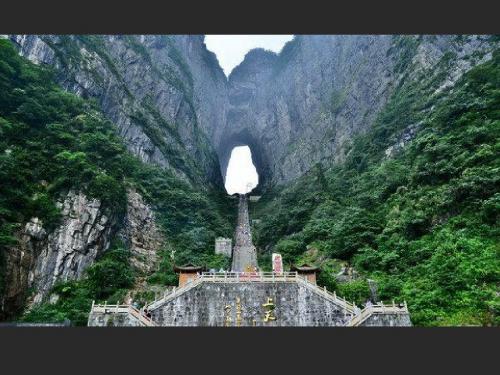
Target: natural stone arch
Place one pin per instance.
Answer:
(244, 138)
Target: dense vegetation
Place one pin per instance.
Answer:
(422, 223)
(164, 134)
(52, 141)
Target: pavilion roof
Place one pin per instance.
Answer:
(188, 268)
(306, 268)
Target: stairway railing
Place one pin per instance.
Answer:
(249, 276)
(127, 309)
(379, 308)
(350, 307)
(176, 291)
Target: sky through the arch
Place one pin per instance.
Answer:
(241, 176)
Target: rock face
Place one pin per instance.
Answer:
(140, 233)
(174, 107)
(406, 137)
(164, 93)
(305, 105)
(43, 258)
(19, 264)
(83, 234)
(209, 83)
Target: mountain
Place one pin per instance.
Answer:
(305, 105)
(117, 161)
(379, 151)
(153, 88)
(410, 200)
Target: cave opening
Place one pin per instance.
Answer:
(241, 173)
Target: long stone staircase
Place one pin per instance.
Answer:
(244, 252)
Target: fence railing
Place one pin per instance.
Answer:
(350, 307)
(379, 308)
(174, 292)
(248, 276)
(117, 308)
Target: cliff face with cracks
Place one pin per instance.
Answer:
(157, 91)
(305, 105)
(42, 258)
(141, 234)
(166, 94)
(174, 107)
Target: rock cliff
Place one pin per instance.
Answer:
(305, 105)
(174, 107)
(164, 93)
(42, 258)
(141, 234)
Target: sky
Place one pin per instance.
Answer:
(241, 171)
(231, 49)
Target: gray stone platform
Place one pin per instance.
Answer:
(259, 299)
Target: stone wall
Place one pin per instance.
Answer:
(210, 303)
(113, 319)
(262, 304)
(387, 320)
